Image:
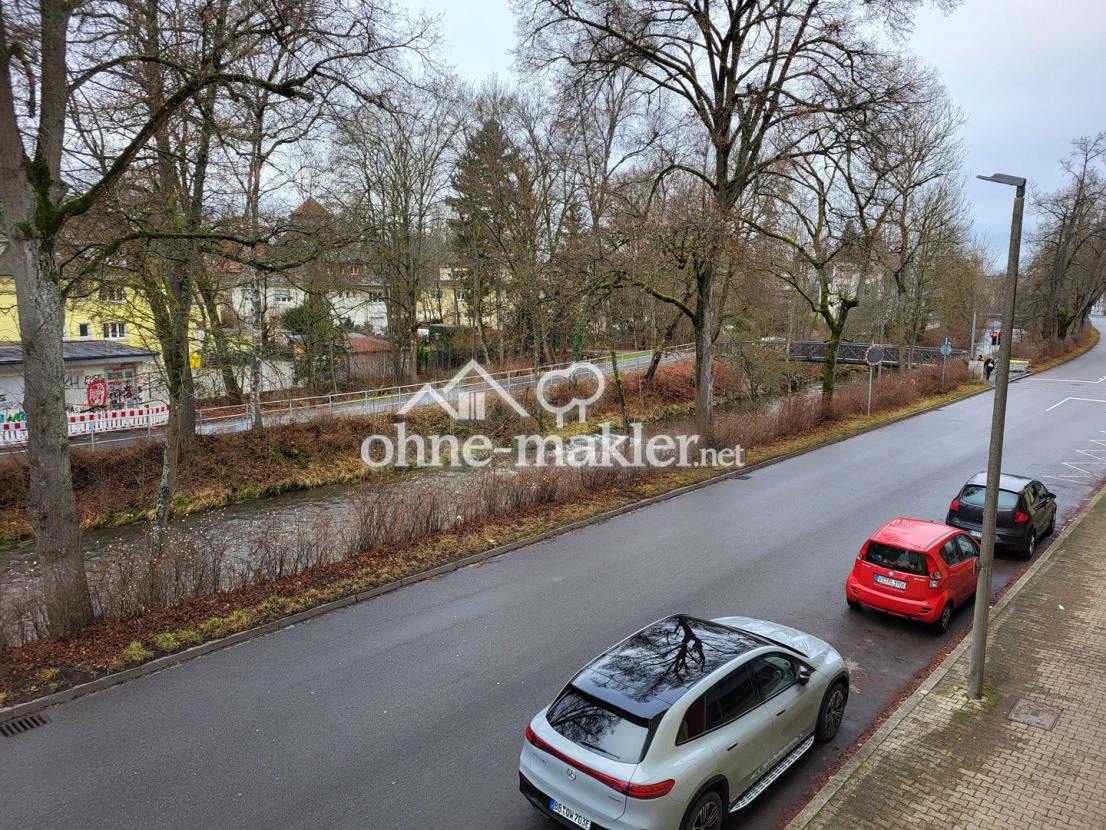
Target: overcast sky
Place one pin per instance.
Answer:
(1030, 76)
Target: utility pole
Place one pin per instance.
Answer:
(982, 615)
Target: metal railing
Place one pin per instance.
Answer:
(814, 351)
(392, 398)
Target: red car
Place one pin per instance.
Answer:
(917, 569)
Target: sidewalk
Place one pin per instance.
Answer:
(1032, 753)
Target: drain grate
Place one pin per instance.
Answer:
(21, 725)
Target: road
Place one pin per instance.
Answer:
(408, 711)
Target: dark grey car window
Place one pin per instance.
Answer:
(1038, 493)
(773, 673)
(974, 494)
(897, 559)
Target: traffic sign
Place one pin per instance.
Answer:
(946, 349)
(874, 355)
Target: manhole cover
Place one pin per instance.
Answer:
(1034, 714)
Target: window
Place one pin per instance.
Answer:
(84, 329)
(773, 673)
(730, 698)
(282, 295)
(974, 494)
(950, 552)
(968, 550)
(599, 727)
(115, 331)
(897, 559)
(1038, 493)
(112, 294)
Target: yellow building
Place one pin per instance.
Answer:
(448, 301)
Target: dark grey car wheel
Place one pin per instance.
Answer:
(705, 814)
(831, 712)
(1031, 546)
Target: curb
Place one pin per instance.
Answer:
(169, 660)
(868, 748)
(20, 710)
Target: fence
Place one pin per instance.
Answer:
(391, 398)
(92, 423)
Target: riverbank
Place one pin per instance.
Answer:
(118, 488)
(47, 666)
(125, 641)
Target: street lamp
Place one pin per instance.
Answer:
(994, 453)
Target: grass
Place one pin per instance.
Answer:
(115, 643)
(117, 488)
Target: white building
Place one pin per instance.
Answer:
(130, 373)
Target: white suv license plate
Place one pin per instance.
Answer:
(891, 583)
(570, 814)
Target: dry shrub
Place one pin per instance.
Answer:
(791, 416)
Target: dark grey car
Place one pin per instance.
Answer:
(1026, 511)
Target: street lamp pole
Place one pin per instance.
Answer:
(981, 618)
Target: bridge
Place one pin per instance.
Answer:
(814, 351)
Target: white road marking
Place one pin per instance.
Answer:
(1067, 380)
(1083, 474)
(1065, 400)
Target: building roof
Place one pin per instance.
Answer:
(364, 343)
(310, 208)
(77, 351)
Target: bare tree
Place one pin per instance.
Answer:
(393, 170)
(54, 56)
(744, 72)
(1067, 271)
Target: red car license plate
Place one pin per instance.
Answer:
(889, 582)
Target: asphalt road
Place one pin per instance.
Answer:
(408, 711)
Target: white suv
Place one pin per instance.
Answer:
(681, 723)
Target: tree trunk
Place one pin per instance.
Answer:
(257, 316)
(621, 392)
(658, 350)
(704, 356)
(231, 387)
(51, 503)
(828, 369)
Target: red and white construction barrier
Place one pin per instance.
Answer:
(137, 417)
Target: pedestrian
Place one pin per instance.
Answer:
(988, 367)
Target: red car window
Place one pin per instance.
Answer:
(898, 559)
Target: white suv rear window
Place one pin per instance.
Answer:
(598, 727)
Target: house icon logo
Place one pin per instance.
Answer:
(465, 396)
